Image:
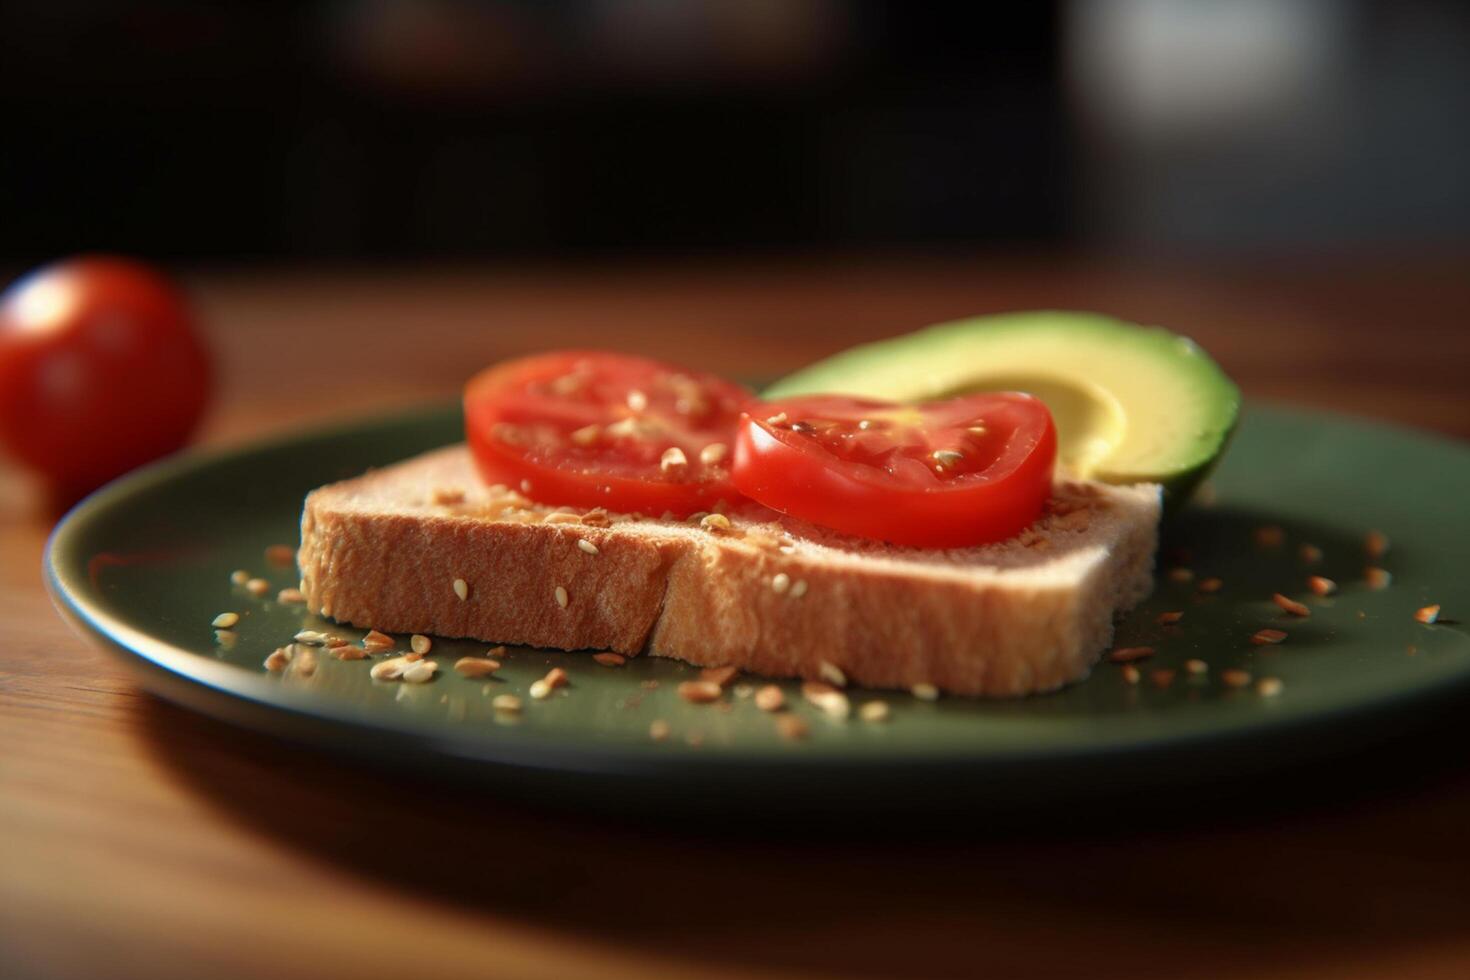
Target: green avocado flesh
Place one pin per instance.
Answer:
(1132, 404)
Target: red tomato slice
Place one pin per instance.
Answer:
(591, 429)
(945, 474)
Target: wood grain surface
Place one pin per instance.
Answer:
(138, 840)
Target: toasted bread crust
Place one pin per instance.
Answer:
(1026, 616)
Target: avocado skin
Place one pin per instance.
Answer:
(1178, 483)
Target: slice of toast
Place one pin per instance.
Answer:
(769, 595)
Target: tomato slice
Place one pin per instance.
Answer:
(945, 474)
(592, 429)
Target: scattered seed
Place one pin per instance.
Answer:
(778, 419)
(281, 554)
(1131, 674)
(715, 522)
(832, 701)
(419, 643)
(508, 703)
(421, 672)
(874, 711)
(1235, 677)
(1375, 544)
(1377, 578)
(791, 727)
(540, 690)
(225, 620)
(1211, 585)
(388, 670)
(658, 729)
(461, 589)
(1267, 637)
(1320, 585)
(587, 546)
(1269, 536)
(1124, 655)
(239, 576)
(673, 462)
(610, 659)
(561, 596)
(780, 582)
(1310, 553)
(278, 659)
(832, 674)
(798, 588)
(349, 653)
(719, 675)
(770, 698)
(1427, 615)
(257, 586)
(377, 641)
(476, 666)
(290, 597)
(1169, 618)
(311, 638)
(1180, 575)
(699, 692)
(1196, 666)
(925, 692)
(1162, 677)
(1269, 687)
(1290, 605)
(712, 454)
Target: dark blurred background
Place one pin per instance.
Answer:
(409, 130)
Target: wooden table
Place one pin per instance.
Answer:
(139, 840)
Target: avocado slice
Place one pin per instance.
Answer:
(1132, 404)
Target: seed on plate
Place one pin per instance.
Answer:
(1267, 637)
(718, 675)
(874, 711)
(798, 588)
(476, 666)
(1211, 585)
(1375, 544)
(658, 729)
(239, 576)
(304, 663)
(1125, 655)
(587, 546)
(461, 588)
(561, 596)
(1131, 674)
(1310, 553)
(1269, 536)
(715, 522)
(1290, 605)
(1377, 578)
(281, 554)
(925, 692)
(780, 582)
(257, 586)
(586, 435)
(791, 727)
(225, 620)
(699, 692)
(278, 659)
(637, 400)
(1169, 618)
(419, 643)
(714, 453)
(388, 670)
(1235, 677)
(826, 697)
(349, 653)
(1196, 666)
(1162, 677)
(444, 496)
(1269, 687)
(540, 690)
(832, 674)
(1320, 585)
(377, 641)
(948, 457)
(673, 462)
(290, 597)
(508, 703)
(770, 698)
(311, 637)
(1427, 615)
(421, 672)
(610, 659)
(1180, 575)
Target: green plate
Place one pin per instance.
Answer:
(143, 566)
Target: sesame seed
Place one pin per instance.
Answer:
(637, 400)
(1235, 677)
(540, 690)
(874, 711)
(587, 546)
(780, 582)
(1290, 605)
(311, 637)
(1267, 637)
(445, 496)
(715, 522)
(770, 698)
(610, 659)
(278, 659)
(658, 729)
(1196, 666)
(421, 672)
(778, 419)
(826, 697)
(257, 586)
(925, 692)
(1427, 615)
(561, 596)
(1310, 553)
(1377, 578)
(798, 588)
(377, 641)
(419, 643)
(712, 454)
(1269, 687)
(1131, 674)
(791, 727)
(225, 620)
(239, 576)
(699, 692)
(673, 461)
(832, 674)
(461, 589)
(508, 703)
(1124, 655)
(280, 554)
(586, 435)
(1321, 585)
(1169, 618)
(1211, 585)
(290, 597)
(475, 666)
(1375, 544)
